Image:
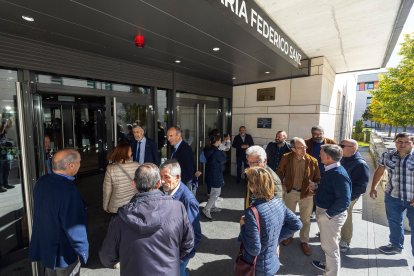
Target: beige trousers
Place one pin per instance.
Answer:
(292, 199)
(346, 231)
(330, 231)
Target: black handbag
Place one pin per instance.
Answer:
(241, 267)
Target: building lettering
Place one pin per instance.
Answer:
(239, 8)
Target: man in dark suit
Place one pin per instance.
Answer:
(183, 153)
(241, 142)
(144, 150)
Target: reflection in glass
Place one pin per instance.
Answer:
(129, 114)
(13, 221)
(79, 125)
(162, 121)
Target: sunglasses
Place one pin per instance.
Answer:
(343, 146)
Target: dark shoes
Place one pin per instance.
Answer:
(2, 189)
(389, 249)
(319, 265)
(8, 186)
(307, 250)
(287, 241)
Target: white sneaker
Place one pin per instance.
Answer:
(343, 246)
(219, 199)
(207, 214)
(215, 210)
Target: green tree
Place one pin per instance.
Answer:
(392, 103)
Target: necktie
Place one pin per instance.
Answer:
(138, 152)
(173, 151)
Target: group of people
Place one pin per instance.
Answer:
(156, 218)
(313, 174)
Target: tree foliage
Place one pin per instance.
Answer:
(393, 102)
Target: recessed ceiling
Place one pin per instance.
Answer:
(188, 30)
(352, 35)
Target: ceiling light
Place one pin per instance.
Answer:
(28, 18)
(233, 78)
(178, 61)
(267, 72)
(215, 49)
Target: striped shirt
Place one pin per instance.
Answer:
(400, 174)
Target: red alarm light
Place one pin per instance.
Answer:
(140, 41)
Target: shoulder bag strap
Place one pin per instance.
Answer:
(256, 215)
(124, 171)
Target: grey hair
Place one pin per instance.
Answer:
(320, 128)
(334, 151)
(177, 129)
(294, 140)
(351, 141)
(138, 126)
(71, 157)
(257, 151)
(173, 166)
(146, 177)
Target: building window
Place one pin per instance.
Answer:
(357, 88)
(369, 85)
(91, 84)
(369, 100)
(56, 80)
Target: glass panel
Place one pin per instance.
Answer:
(196, 97)
(13, 223)
(162, 121)
(89, 127)
(187, 121)
(85, 83)
(79, 125)
(129, 114)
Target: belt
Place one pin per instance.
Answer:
(297, 190)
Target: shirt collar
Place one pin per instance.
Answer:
(178, 144)
(66, 176)
(410, 153)
(142, 140)
(176, 189)
(332, 166)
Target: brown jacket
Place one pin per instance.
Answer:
(285, 171)
(309, 143)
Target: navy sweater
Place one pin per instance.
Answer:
(358, 171)
(334, 191)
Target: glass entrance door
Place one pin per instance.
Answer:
(78, 123)
(197, 116)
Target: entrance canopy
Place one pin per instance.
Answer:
(258, 40)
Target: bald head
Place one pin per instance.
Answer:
(66, 161)
(349, 147)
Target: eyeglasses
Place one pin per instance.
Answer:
(402, 142)
(255, 163)
(343, 146)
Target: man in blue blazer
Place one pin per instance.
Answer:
(59, 239)
(144, 150)
(171, 182)
(183, 153)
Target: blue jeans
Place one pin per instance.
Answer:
(394, 208)
(183, 265)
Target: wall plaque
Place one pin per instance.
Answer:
(266, 94)
(264, 122)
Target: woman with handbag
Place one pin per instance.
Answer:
(266, 223)
(118, 188)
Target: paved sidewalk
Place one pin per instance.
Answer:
(219, 246)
